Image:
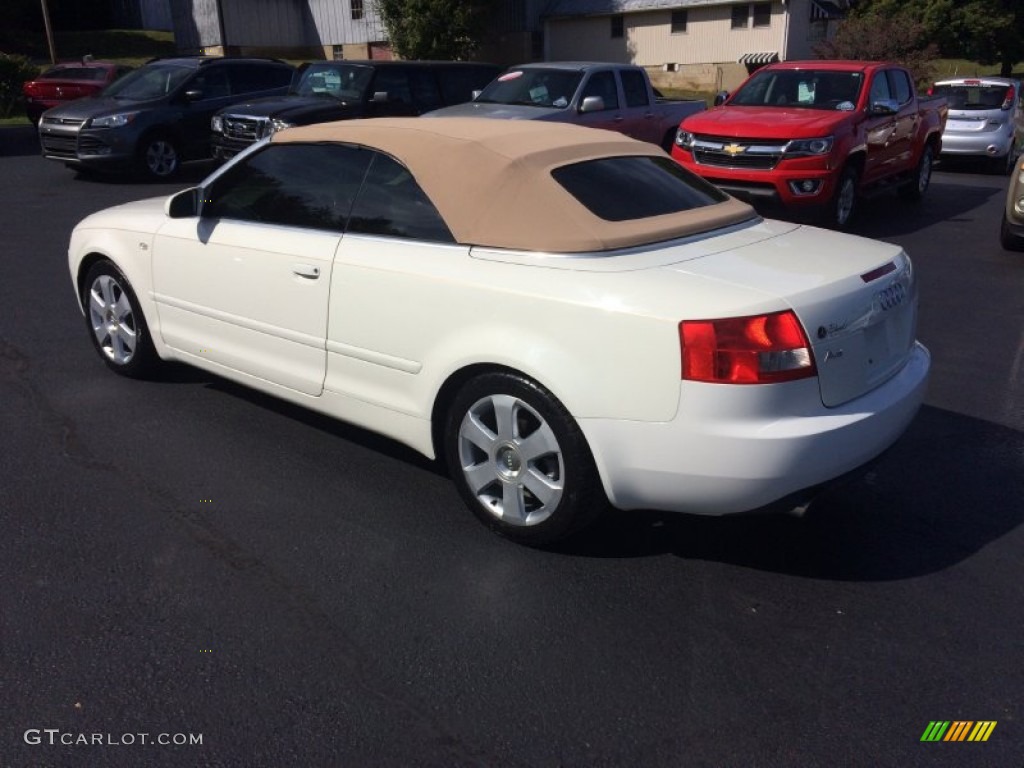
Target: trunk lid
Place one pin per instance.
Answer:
(856, 298)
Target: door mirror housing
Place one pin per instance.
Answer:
(184, 204)
(720, 98)
(592, 104)
(379, 97)
(885, 107)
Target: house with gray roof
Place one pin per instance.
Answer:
(705, 44)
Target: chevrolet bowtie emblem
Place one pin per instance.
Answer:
(733, 149)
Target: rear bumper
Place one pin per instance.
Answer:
(977, 144)
(734, 449)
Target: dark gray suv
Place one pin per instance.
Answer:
(158, 116)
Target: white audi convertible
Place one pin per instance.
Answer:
(563, 316)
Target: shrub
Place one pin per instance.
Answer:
(14, 71)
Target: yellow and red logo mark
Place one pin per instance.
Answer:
(958, 730)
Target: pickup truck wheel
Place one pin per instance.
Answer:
(520, 461)
(915, 188)
(1009, 241)
(844, 200)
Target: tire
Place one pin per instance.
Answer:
(159, 157)
(1009, 241)
(914, 189)
(520, 461)
(843, 206)
(1003, 166)
(116, 325)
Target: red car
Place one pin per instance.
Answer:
(67, 81)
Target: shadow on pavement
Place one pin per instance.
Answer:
(948, 488)
(19, 141)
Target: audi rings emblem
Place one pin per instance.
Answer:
(891, 297)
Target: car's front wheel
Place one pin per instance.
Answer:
(520, 461)
(841, 209)
(1009, 240)
(117, 327)
(159, 157)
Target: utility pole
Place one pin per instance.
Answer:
(49, 32)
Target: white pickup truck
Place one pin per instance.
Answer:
(617, 97)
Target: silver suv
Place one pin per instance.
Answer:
(986, 119)
(158, 116)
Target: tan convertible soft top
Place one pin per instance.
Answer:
(491, 180)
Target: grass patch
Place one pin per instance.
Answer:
(14, 122)
(946, 68)
(125, 46)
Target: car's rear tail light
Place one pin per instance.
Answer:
(746, 350)
(1009, 99)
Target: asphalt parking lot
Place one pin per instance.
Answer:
(185, 557)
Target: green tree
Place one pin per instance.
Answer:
(435, 29)
(986, 31)
(874, 37)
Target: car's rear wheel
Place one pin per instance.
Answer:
(843, 206)
(1010, 241)
(914, 189)
(159, 157)
(116, 324)
(520, 461)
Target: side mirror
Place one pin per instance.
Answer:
(184, 204)
(592, 104)
(720, 98)
(476, 93)
(379, 97)
(193, 96)
(885, 107)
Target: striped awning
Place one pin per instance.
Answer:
(761, 57)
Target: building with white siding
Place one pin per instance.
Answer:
(703, 44)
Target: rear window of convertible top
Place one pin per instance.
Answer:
(627, 188)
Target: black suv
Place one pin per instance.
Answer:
(340, 90)
(158, 116)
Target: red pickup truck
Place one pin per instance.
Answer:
(817, 135)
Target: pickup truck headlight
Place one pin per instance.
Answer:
(217, 124)
(809, 147)
(278, 125)
(113, 121)
(684, 139)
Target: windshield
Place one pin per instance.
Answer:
(976, 96)
(150, 82)
(804, 89)
(532, 87)
(345, 82)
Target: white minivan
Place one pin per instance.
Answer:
(986, 119)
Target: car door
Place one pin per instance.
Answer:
(199, 98)
(245, 285)
(602, 83)
(879, 128)
(640, 118)
(901, 146)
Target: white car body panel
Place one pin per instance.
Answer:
(374, 337)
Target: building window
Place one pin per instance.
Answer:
(618, 27)
(740, 15)
(762, 14)
(357, 9)
(678, 22)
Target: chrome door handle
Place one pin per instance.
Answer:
(306, 270)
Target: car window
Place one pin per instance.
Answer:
(212, 83)
(395, 82)
(625, 188)
(96, 74)
(534, 87)
(900, 84)
(254, 77)
(880, 88)
(458, 83)
(424, 90)
(150, 82)
(635, 87)
(298, 185)
(975, 95)
(603, 84)
(392, 203)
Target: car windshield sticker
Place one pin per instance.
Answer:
(539, 94)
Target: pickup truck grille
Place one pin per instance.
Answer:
(244, 128)
(751, 154)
